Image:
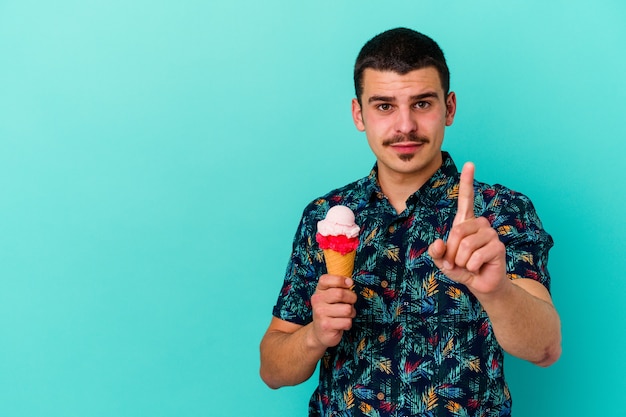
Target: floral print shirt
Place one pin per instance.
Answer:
(421, 344)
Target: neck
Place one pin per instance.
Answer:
(398, 192)
(399, 187)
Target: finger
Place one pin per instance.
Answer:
(437, 250)
(486, 254)
(465, 209)
(339, 311)
(333, 294)
(339, 296)
(466, 237)
(458, 233)
(333, 281)
(472, 245)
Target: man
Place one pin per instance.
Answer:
(449, 272)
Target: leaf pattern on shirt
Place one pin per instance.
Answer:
(421, 344)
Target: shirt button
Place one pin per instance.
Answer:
(380, 396)
(384, 284)
(381, 338)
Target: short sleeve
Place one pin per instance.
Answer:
(527, 244)
(303, 271)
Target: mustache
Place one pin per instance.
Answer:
(408, 137)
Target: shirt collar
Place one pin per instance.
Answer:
(430, 193)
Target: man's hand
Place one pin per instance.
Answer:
(473, 254)
(290, 352)
(333, 309)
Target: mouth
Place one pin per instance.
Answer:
(407, 147)
(406, 143)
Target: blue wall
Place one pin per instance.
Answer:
(155, 157)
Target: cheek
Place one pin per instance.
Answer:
(435, 122)
(377, 124)
(371, 141)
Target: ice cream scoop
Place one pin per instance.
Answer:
(339, 221)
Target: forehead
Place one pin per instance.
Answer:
(390, 83)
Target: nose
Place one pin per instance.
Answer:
(406, 121)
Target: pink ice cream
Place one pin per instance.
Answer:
(338, 231)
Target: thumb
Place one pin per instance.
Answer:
(437, 250)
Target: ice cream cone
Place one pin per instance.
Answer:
(337, 235)
(338, 264)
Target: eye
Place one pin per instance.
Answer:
(384, 107)
(422, 105)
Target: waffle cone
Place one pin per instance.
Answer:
(338, 264)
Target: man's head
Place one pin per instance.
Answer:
(400, 50)
(403, 104)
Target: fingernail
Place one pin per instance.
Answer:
(447, 265)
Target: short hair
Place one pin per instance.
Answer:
(400, 50)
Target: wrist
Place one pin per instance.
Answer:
(312, 343)
(503, 294)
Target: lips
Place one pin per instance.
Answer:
(406, 147)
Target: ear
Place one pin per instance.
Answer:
(450, 108)
(357, 115)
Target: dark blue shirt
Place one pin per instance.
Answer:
(421, 344)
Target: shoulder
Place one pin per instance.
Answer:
(353, 195)
(498, 198)
(511, 213)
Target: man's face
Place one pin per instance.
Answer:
(404, 118)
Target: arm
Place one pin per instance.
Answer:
(525, 322)
(523, 317)
(290, 352)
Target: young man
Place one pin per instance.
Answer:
(449, 272)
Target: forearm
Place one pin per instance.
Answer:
(524, 324)
(289, 358)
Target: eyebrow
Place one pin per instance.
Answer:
(391, 99)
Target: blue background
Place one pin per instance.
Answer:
(155, 157)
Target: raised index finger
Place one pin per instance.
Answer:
(465, 210)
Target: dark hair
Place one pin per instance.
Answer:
(400, 50)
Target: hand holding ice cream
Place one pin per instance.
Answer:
(333, 301)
